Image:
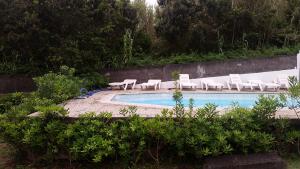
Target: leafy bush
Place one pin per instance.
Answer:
(98, 138)
(292, 100)
(22, 104)
(58, 86)
(94, 80)
(7, 101)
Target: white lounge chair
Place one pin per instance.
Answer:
(124, 84)
(236, 81)
(283, 81)
(151, 83)
(207, 83)
(184, 82)
(264, 86)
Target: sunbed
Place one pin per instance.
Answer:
(236, 81)
(264, 86)
(151, 83)
(124, 84)
(208, 83)
(283, 81)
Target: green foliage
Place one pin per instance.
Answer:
(293, 137)
(179, 107)
(246, 134)
(132, 139)
(292, 101)
(6, 102)
(144, 36)
(265, 109)
(191, 57)
(22, 104)
(94, 80)
(292, 98)
(90, 139)
(39, 36)
(216, 25)
(208, 112)
(58, 86)
(127, 47)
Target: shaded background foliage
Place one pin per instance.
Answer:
(208, 25)
(80, 33)
(41, 35)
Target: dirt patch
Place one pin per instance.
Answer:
(6, 156)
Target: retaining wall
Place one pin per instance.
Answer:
(206, 69)
(18, 83)
(196, 70)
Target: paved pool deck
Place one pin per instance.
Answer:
(101, 102)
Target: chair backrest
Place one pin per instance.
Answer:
(130, 81)
(235, 78)
(208, 81)
(283, 79)
(153, 81)
(184, 78)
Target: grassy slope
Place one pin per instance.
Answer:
(144, 61)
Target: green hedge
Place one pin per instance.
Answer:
(132, 140)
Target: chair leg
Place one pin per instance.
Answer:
(238, 87)
(228, 85)
(261, 87)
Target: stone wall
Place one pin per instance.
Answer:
(206, 69)
(196, 70)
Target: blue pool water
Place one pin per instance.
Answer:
(200, 99)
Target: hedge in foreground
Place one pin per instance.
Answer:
(133, 139)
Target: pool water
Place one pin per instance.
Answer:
(200, 99)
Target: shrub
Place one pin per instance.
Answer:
(22, 104)
(291, 100)
(130, 140)
(58, 86)
(94, 80)
(245, 134)
(7, 101)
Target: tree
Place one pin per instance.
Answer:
(41, 35)
(199, 25)
(145, 32)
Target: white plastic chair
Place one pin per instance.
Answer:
(235, 81)
(184, 82)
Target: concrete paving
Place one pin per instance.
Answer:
(101, 102)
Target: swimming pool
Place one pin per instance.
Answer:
(200, 99)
